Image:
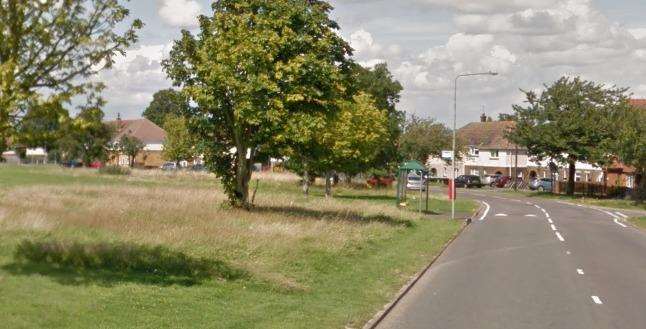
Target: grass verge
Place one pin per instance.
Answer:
(609, 203)
(640, 222)
(157, 250)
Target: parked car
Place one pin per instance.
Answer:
(501, 181)
(168, 166)
(96, 165)
(490, 179)
(416, 182)
(541, 184)
(468, 181)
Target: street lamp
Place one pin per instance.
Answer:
(455, 117)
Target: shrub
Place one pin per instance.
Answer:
(114, 170)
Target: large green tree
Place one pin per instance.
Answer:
(179, 144)
(166, 102)
(86, 137)
(630, 145)
(52, 47)
(348, 142)
(386, 92)
(42, 125)
(256, 68)
(569, 122)
(423, 138)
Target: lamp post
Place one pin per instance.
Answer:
(455, 117)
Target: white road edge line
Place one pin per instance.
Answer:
(558, 235)
(537, 206)
(550, 220)
(547, 215)
(580, 271)
(620, 223)
(486, 211)
(553, 227)
(620, 214)
(597, 300)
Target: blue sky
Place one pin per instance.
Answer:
(427, 42)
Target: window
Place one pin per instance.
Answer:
(495, 154)
(474, 151)
(630, 181)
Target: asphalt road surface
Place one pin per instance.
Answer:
(533, 263)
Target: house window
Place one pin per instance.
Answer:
(495, 154)
(475, 172)
(630, 181)
(474, 152)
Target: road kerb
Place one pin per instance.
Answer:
(374, 322)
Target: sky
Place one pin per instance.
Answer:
(426, 43)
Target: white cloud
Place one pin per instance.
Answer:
(368, 52)
(179, 13)
(133, 80)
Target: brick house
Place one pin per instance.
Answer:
(146, 131)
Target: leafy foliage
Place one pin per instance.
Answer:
(179, 144)
(166, 102)
(42, 124)
(569, 121)
(51, 47)
(386, 92)
(630, 144)
(423, 138)
(130, 146)
(256, 69)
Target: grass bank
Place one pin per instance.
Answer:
(610, 203)
(156, 250)
(639, 222)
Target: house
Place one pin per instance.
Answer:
(146, 131)
(489, 152)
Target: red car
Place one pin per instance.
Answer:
(96, 165)
(501, 181)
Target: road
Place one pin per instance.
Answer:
(533, 263)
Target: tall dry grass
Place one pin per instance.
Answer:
(192, 219)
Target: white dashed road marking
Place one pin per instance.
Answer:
(501, 215)
(559, 236)
(530, 215)
(550, 220)
(553, 227)
(568, 253)
(547, 215)
(580, 271)
(597, 300)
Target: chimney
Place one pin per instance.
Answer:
(483, 117)
(118, 116)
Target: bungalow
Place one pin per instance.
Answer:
(146, 131)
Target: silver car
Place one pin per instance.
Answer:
(416, 182)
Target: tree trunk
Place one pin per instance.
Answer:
(306, 182)
(243, 176)
(328, 184)
(639, 194)
(570, 178)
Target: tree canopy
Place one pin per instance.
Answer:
(568, 122)
(179, 144)
(386, 93)
(166, 102)
(130, 146)
(423, 138)
(255, 69)
(52, 48)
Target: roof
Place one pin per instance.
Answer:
(487, 135)
(143, 129)
(412, 165)
(638, 103)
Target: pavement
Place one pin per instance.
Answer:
(533, 263)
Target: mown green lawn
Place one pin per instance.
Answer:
(292, 262)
